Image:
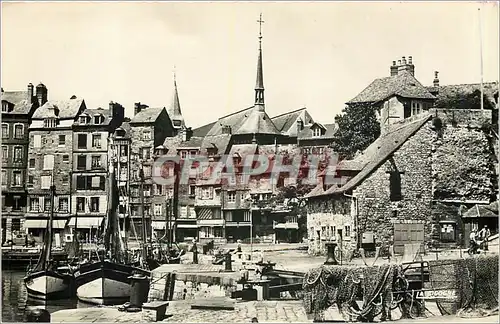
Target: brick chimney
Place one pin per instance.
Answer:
(394, 68)
(436, 79)
(404, 65)
(31, 93)
(226, 129)
(41, 94)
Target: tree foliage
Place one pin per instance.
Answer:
(460, 100)
(358, 128)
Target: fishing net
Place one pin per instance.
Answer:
(343, 285)
(478, 284)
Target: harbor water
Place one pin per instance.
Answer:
(15, 299)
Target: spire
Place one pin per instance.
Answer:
(259, 85)
(175, 109)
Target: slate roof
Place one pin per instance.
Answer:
(95, 112)
(229, 120)
(63, 109)
(20, 101)
(307, 132)
(221, 142)
(243, 150)
(147, 115)
(490, 210)
(194, 142)
(172, 143)
(404, 84)
(445, 93)
(284, 121)
(126, 127)
(246, 121)
(203, 130)
(256, 122)
(377, 153)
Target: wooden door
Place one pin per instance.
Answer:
(411, 233)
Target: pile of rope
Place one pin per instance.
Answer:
(343, 285)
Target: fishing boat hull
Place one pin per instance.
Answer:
(105, 282)
(49, 285)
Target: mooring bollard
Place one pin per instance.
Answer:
(139, 290)
(228, 262)
(330, 256)
(38, 315)
(195, 253)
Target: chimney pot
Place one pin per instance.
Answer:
(399, 62)
(137, 108)
(410, 60)
(436, 79)
(394, 63)
(404, 60)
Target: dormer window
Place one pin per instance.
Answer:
(177, 123)
(5, 106)
(83, 119)
(316, 132)
(50, 123)
(99, 119)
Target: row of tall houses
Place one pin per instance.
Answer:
(405, 175)
(436, 158)
(66, 144)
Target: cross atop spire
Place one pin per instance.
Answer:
(260, 21)
(174, 74)
(259, 85)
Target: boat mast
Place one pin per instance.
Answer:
(481, 57)
(144, 230)
(48, 255)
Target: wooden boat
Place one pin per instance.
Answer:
(107, 281)
(46, 280)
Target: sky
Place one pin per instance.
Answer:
(315, 55)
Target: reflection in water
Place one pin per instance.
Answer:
(15, 299)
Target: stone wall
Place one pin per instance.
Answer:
(462, 165)
(191, 286)
(376, 212)
(327, 216)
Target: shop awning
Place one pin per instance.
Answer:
(85, 222)
(187, 226)
(238, 224)
(204, 213)
(287, 226)
(490, 210)
(42, 223)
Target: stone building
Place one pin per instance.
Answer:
(412, 184)
(148, 130)
(398, 96)
(121, 145)
(237, 210)
(17, 109)
(50, 161)
(89, 189)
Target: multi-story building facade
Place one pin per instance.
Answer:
(89, 189)
(17, 109)
(148, 129)
(121, 146)
(50, 162)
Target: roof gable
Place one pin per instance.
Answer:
(256, 122)
(19, 101)
(62, 109)
(377, 153)
(404, 84)
(148, 115)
